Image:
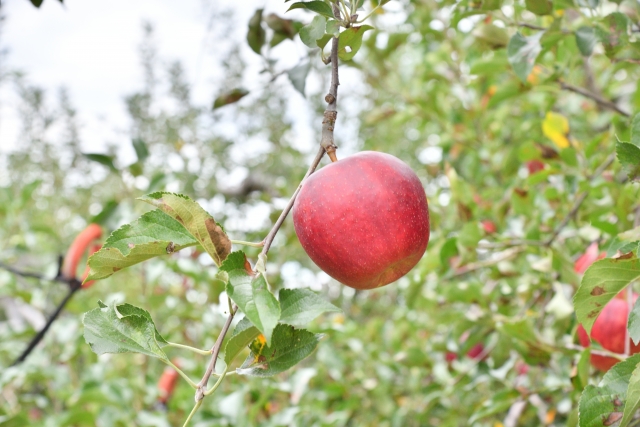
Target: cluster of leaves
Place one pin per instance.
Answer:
(180, 222)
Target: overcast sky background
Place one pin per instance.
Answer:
(91, 48)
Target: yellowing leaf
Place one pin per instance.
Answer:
(556, 127)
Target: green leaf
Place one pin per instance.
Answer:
(234, 95)
(243, 335)
(583, 367)
(601, 282)
(122, 329)
(635, 130)
(106, 213)
(629, 157)
(539, 7)
(142, 152)
(634, 323)
(586, 39)
(350, 41)
(318, 7)
(256, 35)
(254, 299)
(298, 76)
(614, 36)
(314, 31)
(604, 405)
(498, 403)
(235, 261)
(332, 27)
(526, 341)
(289, 347)
(151, 235)
(301, 306)
(102, 159)
(196, 220)
(322, 42)
(285, 27)
(522, 52)
(632, 403)
(36, 3)
(494, 36)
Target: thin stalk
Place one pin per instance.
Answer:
(187, 347)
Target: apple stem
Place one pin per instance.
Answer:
(331, 113)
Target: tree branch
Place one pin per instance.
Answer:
(75, 285)
(326, 145)
(215, 350)
(597, 98)
(579, 200)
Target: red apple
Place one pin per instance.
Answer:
(364, 220)
(609, 331)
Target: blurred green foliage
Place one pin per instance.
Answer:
(437, 84)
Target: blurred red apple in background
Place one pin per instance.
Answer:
(609, 331)
(590, 256)
(534, 166)
(364, 220)
(488, 226)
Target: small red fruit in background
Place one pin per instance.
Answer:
(488, 226)
(450, 356)
(77, 250)
(476, 351)
(521, 368)
(95, 248)
(534, 166)
(363, 220)
(167, 383)
(590, 256)
(609, 331)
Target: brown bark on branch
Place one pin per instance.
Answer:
(597, 98)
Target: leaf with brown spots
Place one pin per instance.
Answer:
(601, 282)
(196, 220)
(153, 234)
(615, 400)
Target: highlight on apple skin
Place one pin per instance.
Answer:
(364, 220)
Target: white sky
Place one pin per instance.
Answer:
(91, 48)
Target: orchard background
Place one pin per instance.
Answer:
(518, 117)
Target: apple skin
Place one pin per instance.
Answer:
(363, 220)
(609, 331)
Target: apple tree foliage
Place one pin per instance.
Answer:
(520, 117)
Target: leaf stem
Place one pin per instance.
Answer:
(345, 12)
(192, 413)
(217, 384)
(187, 347)
(215, 350)
(252, 244)
(182, 374)
(368, 15)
